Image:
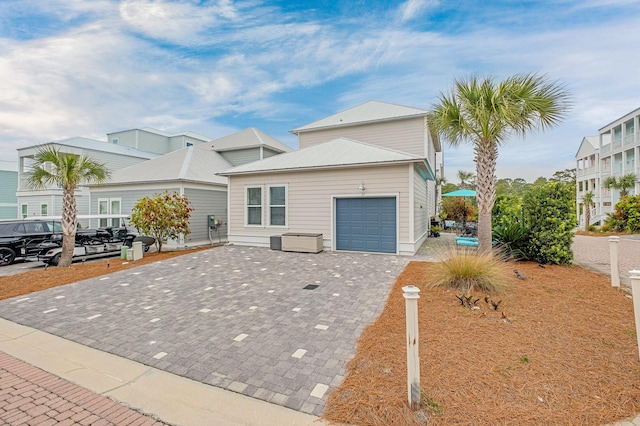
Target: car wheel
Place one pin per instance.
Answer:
(55, 260)
(7, 256)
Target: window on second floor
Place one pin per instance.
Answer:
(44, 209)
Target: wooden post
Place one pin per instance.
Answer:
(615, 268)
(411, 297)
(635, 291)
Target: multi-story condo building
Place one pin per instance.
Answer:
(614, 152)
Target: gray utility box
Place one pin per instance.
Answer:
(276, 242)
(303, 243)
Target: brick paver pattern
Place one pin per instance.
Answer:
(238, 318)
(30, 396)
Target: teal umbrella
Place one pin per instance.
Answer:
(462, 193)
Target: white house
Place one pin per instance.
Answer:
(363, 178)
(613, 152)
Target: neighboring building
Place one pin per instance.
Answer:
(191, 172)
(156, 141)
(48, 202)
(364, 178)
(8, 187)
(613, 152)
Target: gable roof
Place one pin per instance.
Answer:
(367, 112)
(335, 153)
(194, 164)
(96, 145)
(248, 138)
(588, 146)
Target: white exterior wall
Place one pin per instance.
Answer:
(406, 135)
(310, 201)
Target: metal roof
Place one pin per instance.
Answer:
(248, 138)
(336, 153)
(195, 164)
(365, 113)
(96, 145)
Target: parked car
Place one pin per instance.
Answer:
(20, 238)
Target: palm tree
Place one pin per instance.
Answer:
(52, 167)
(465, 178)
(624, 183)
(484, 113)
(587, 200)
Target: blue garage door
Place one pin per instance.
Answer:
(366, 224)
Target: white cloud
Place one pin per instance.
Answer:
(412, 9)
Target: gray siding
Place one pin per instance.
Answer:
(266, 153)
(206, 203)
(241, 156)
(152, 142)
(127, 138)
(128, 198)
(8, 198)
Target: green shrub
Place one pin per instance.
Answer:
(464, 269)
(513, 239)
(550, 217)
(626, 216)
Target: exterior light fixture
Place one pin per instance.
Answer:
(362, 188)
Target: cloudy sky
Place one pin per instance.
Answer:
(85, 68)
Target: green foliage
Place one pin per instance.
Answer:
(54, 168)
(465, 269)
(550, 217)
(513, 239)
(164, 217)
(432, 406)
(626, 215)
(623, 183)
(507, 209)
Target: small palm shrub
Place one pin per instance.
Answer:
(465, 270)
(513, 239)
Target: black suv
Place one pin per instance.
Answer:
(20, 238)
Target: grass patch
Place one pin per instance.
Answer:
(466, 270)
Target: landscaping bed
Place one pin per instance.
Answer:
(561, 349)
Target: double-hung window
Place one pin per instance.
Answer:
(266, 205)
(254, 205)
(107, 206)
(277, 205)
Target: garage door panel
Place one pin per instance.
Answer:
(366, 224)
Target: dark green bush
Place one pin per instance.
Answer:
(626, 216)
(513, 239)
(550, 217)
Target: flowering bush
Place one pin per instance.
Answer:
(164, 217)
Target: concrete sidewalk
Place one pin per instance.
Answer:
(172, 398)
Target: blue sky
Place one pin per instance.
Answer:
(85, 68)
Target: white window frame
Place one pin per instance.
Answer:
(44, 209)
(285, 205)
(246, 206)
(115, 222)
(24, 210)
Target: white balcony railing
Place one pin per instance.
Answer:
(606, 149)
(628, 140)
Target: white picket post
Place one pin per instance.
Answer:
(413, 360)
(615, 267)
(635, 292)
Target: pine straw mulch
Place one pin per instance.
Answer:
(42, 279)
(566, 354)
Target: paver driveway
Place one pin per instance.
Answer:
(233, 317)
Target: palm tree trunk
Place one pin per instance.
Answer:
(68, 225)
(486, 155)
(587, 217)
